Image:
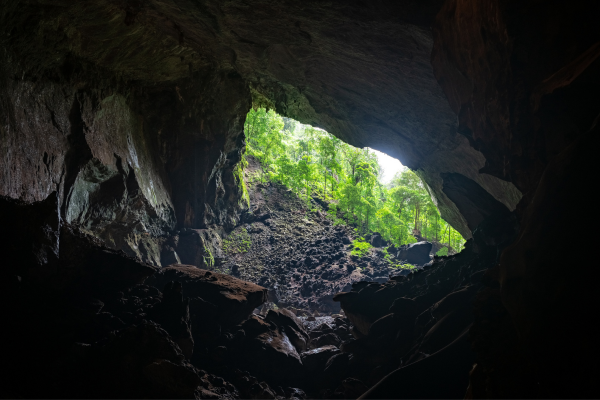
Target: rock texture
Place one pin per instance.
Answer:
(165, 91)
(129, 159)
(235, 299)
(121, 129)
(529, 102)
(299, 255)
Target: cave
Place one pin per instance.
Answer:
(121, 128)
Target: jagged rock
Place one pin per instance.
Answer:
(316, 359)
(255, 325)
(295, 393)
(292, 326)
(269, 354)
(139, 125)
(328, 339)
(234, 298)
(376, 240)
(284, 317)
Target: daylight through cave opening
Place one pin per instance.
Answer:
(137, 263)
(320, 217)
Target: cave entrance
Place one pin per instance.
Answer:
(324, 215)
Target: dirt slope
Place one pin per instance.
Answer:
(297, 253)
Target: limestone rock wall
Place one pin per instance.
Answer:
(360, 70)
(134, 143)
(524, 80)
(90, 147)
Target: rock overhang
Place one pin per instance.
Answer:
(362, 72)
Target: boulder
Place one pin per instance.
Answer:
(270, 355)
(316, 359)
(367, 302)
(328, 339)
(376, 240)
(383, 326)
(415, 253)
(234, 299)
(292, 325)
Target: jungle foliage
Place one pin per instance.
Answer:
(312, 162)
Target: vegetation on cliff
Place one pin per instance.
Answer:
(313, 163)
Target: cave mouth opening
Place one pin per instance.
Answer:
(323, 216)
(125, 116)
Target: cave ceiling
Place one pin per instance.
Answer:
(361, 70)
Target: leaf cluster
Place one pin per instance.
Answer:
(360, 247)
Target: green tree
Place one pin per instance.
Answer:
(310, 160)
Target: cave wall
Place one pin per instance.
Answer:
(524, 80)
(361, 71)
(136, 140)
(89, 146)
(499, 64)
(126, 120)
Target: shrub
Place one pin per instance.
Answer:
(442, 252)
(361, 248)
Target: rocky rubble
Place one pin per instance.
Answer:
(299, 255)
(317, 322)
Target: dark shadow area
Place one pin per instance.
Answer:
(122, 188)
